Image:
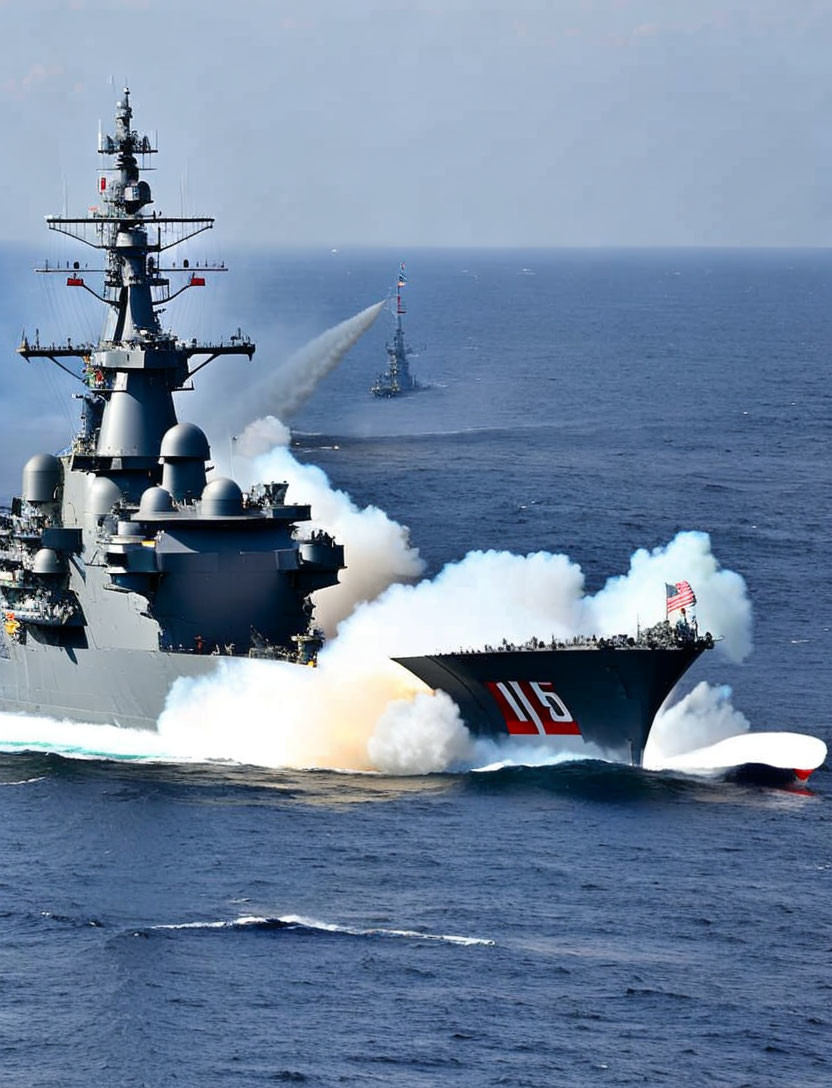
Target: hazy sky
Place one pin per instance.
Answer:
(435, 122)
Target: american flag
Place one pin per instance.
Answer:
(679, 595)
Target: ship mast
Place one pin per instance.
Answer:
(400, 351)
(136, 366)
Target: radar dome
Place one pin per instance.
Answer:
(41, 477)
(103, 495)
(185, 441)
(155, 500)
(47, 561)
(222, 498)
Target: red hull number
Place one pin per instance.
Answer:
(533, 708)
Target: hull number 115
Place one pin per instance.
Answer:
(533, 708)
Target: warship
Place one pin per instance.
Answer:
(123, 566)
(397, 380)
(590, 696)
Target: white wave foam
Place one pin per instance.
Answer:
(786, 751)
(212, 925)
(410, 934)
(83, 740)
(703, 717)
(302, 922)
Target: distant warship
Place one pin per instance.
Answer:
(397, 380)
(123, 567)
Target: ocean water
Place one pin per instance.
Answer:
(574, 924)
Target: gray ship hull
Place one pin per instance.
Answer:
(121, 687)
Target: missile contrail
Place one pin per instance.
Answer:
(284, 391)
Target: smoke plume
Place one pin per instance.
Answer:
(262, 435)
(283, 391)
(378, 549)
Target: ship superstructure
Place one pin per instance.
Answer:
(397, 380)
(122, 565)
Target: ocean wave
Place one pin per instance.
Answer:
(300, 924)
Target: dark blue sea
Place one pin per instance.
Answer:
(581, 924)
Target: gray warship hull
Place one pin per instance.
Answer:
(592, 702)
(126, 688)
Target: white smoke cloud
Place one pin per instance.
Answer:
(262, 435)
(703, 717)
(492, 595)
(420, 736)
(275, 714)
(723, 606)
(378, 549)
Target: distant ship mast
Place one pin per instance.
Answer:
(397, 380)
